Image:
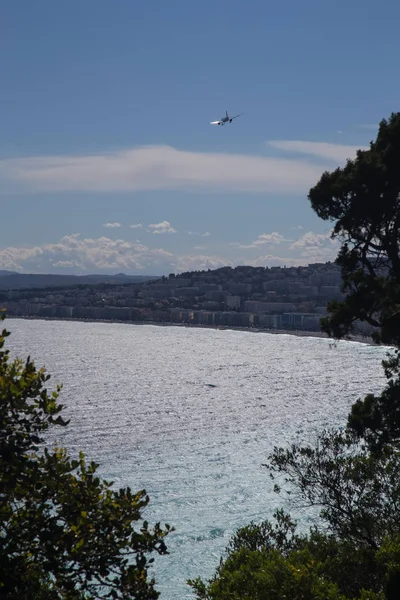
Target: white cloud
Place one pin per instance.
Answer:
(87, 255)
(270, 260)
(311, 239)
(308, 248)
(195, 262)
(269, 238)
(62, 263)
(263, 240)
(84, 255)
(163, 227)
(112, 225)
(158, 168)
(205, 234)
(316, 247)
(136, 226)
(332, 152)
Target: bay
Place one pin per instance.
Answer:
(191, 414)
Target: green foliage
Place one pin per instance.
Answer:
(314, 567)
(351, 565)
(64, 533)
(389, 556)
(363, 201)
(253, 575)
(265, 535)
(377, 417)
(357, 493)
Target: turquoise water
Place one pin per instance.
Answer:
(190, 415)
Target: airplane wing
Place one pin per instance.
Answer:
(215, 122)
(236, 116)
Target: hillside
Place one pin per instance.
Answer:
(18, 281)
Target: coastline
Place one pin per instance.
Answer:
(296, 332)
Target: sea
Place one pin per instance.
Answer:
(190, 415)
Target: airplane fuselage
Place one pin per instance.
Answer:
(226, 119)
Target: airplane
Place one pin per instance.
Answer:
(226, 119)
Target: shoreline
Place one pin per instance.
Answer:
(295, 332)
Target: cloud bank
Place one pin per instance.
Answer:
(74, 254)
(333, 152)
(167, 168)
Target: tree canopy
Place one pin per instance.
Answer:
(64, 532)
(363, 201)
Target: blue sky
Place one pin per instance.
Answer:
(104, 126)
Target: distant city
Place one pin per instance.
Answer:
(275, 298)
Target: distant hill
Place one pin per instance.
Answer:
(18, 281)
